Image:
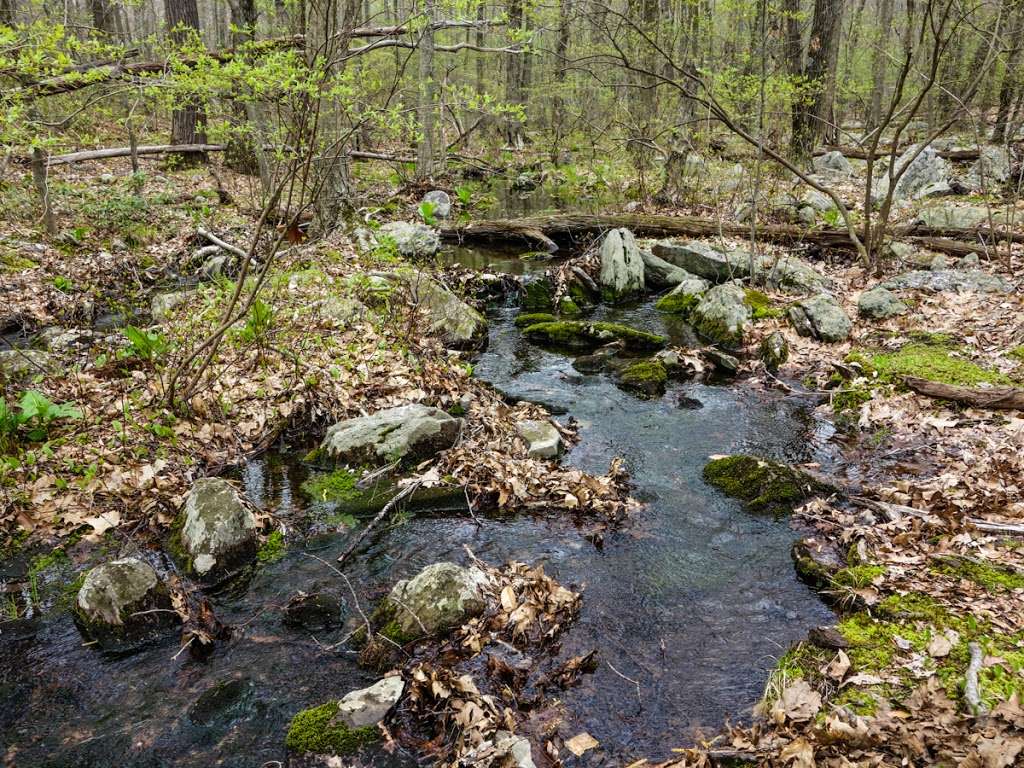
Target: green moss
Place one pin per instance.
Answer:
(926, 361)
(272, 549)
(762, 484)
(677, 303)
(538, 294)
(525, 319)
(873, 642)
(761, 305)
(316, 730)
(568, 308)
(931, 338)
(857, 576)
(646, 378)
(579, 335)
(15, 262)
(718, 332)
(54, 559)
(861, 701)
(1017, 352)
(994, 578)
(339, 485)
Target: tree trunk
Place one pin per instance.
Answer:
(106, 18)
(879, 61)
(188, 122)
(43, 190)
(814, 111)
(427, 96)
(514, 73)
(1010, 85)
(243, 145)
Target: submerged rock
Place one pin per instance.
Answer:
(526, 319)
(622, 267)
(122, 604)
(226, 699)
(644, 378)
(440, 597)
(960, 280)
(820, 317)
(763, 484)
(879, 303)
(721, 314)
(457, 324)
(576, 334)
(413, 432)
(216, 533)
(543, 441)
(412, 239)
(313, 612)
(816, 561)
(774, 351)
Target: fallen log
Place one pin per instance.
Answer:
(570, 230)
(159, 149)
(999, 397)
(857, 153)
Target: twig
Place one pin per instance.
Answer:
(223, 244)
(405, 492)
(971, 686)
(628, 679)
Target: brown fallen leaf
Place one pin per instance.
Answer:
(581, 742)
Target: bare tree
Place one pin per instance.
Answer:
(813, 113)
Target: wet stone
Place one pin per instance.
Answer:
(412, 432)
(313, 612)
(223, 701)
(816, 561)
(217, 533)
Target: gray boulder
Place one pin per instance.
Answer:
(721, 314)
(684, 296)
(820, 317)
(774, 350)
(414, 432)
(162, 304)
(990, 170)
(659, 273)
(622, 267)
(702, 260)
(834, 162)
(921, 171)
(215, 266)
(879, 303)
(217, 534)
(122, 604)
(440, 597)
(543, 441)
(457, 324)
(441, 201)
(819, 201)
(952, 216)
(341, 310)
(413, 240)
(369, 706)
(23, 363)
(958, 280)
(938, 189)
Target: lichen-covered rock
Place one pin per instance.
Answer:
(990, 170)
(341, 310)
(440, 597)
(879, 303)
(622, 267)
(774, 351)
(924, 169)
(685, 296)
(162, 304)
(21, 363)
(414, 432)
(216, 532)
(722, 314)
(816, 561)
(722, 362)
(659, 273)
(543, 440)
(763, 484)
(320, 730)
(953, 216)
(458, 325)
(122, 604)
(833, 161)
(575, 334)
(701, 259)
(818, 201)
(644, 378)
(441, 202)
(959, 280)
(369, 706)
(821, 317)
(413, 240)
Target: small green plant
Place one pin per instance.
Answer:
(464, 194)
(272, 549)
(62, 283)
(427, 209)
(258, 323)
(36, 412)
(145, 345)
(832, 217)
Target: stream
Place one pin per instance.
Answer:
(692, 599)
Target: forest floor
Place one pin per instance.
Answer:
(927, 662)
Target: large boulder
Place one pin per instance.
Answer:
(413, 240)
(990, 170)
(685, 296)
(409, 432)
(922, 170)
(122, 604)
(721, 314)
(820, 317)
(622, 267)
(834, 162)
(457, 324)
(952, 216)
(879, 303)
(440, 597)
(441, 202)
(958, 280)
(702, 260)
(216, 533)
(23, 363)
(543, 440)
(659, 273)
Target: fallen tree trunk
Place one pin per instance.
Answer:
(856, 153)
(543, 232)
(159, 149)
(999, 397)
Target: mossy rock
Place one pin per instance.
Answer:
(931, 361)
(317, 730)
(763, 484)
(526, 319)
(568, 308)
(538, 294)
(644, 378)
(816, 561)
(677, 303)
(574, 334)
(761, 305)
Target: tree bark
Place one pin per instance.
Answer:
(879, 61)
(998, 397)
(514, 73)
(1011, 79)
(813, 112)
(188, 123)
(426, 107)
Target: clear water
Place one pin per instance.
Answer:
(693, 598)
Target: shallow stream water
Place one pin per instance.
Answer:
(688, 604)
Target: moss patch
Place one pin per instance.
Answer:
(579, 335)
(926, 361)
(857, 576)
(762, 484)
(340, 489)
(761, 305)
(646, 378)
(316, 730)
(992, 577)
(525, 319)
(272, 549)
(677, 303)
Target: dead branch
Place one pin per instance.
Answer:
(221, 243)
(384, 512)
(971, 687)
(998, 397)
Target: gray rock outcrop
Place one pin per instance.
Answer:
(958, 280)
(879, 303)
(622, 267)
(921, 171)
(834, 162)
(659, 273)
(413, 432)
(820, 317)
(413, 240)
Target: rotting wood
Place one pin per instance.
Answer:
(997, 396)
(543, 232)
